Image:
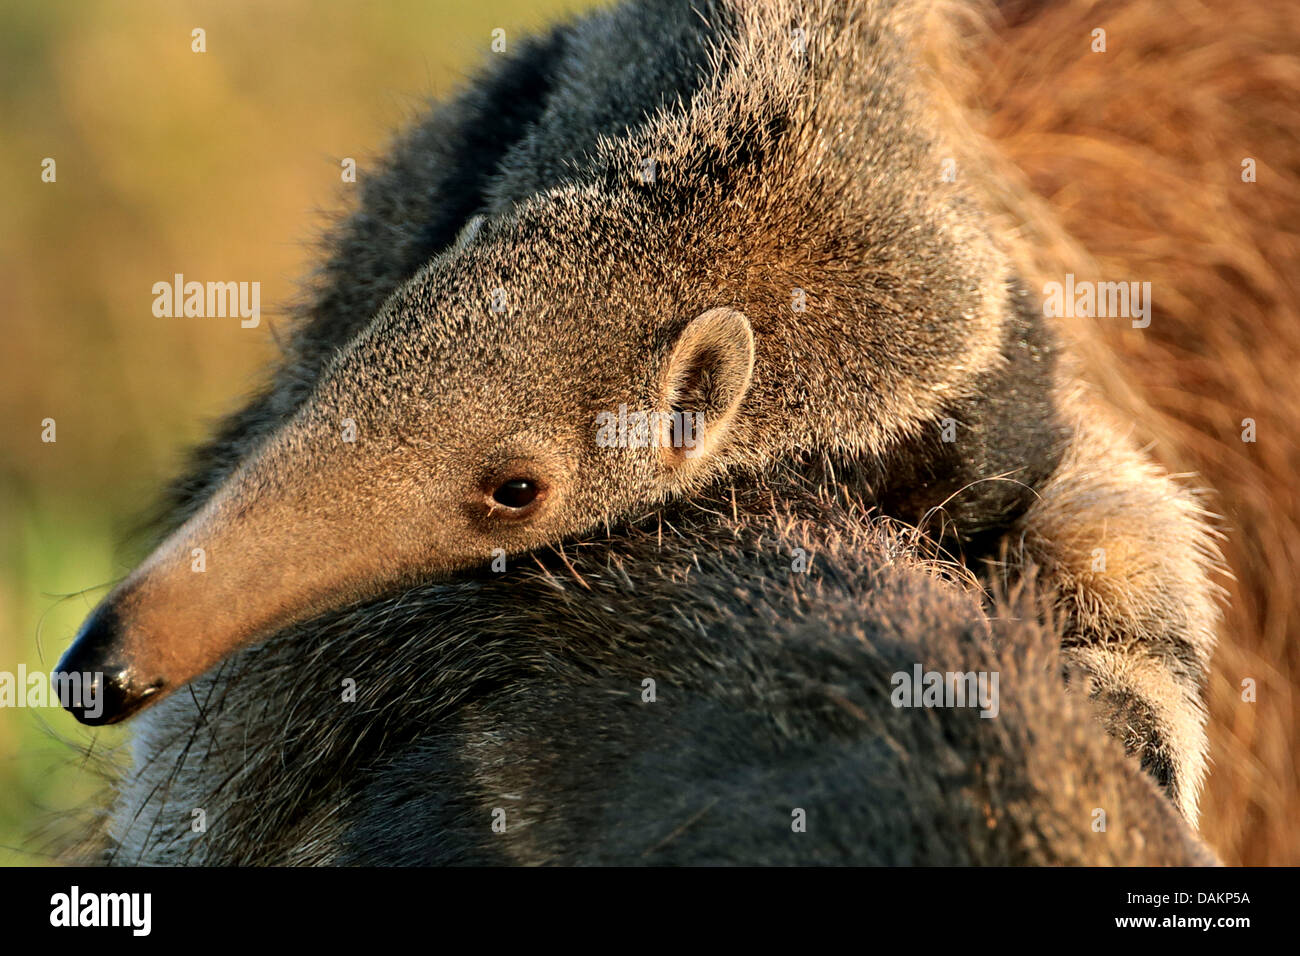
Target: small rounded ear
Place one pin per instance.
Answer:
(704, 383)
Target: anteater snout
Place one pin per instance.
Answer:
(277, 545)
(93, 680)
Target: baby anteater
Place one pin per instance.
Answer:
(670, 243)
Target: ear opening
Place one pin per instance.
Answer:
(705, 381)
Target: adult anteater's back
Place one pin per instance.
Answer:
(675, 694)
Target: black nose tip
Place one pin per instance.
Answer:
(93, 682)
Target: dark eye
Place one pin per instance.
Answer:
(516, 493)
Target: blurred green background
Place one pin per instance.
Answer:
(222, 165)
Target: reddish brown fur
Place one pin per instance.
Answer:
(1138, 153)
